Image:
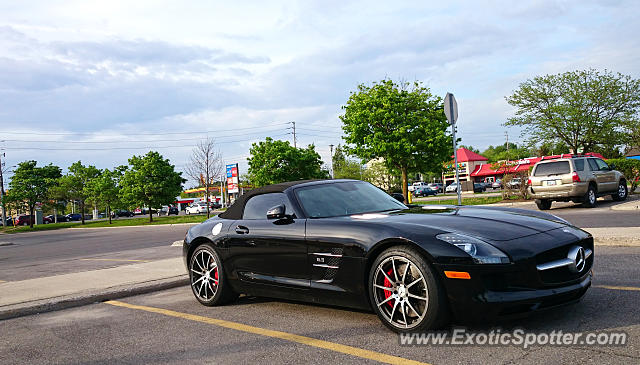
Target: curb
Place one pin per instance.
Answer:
(70, 301)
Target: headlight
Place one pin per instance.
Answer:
(480, 251)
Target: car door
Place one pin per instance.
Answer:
(608, 175)
(271, 251)
(602, 174)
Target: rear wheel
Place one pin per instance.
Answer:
(622, 192)
(404, 292)
(543, 204)
(590, 197)
(208, 281)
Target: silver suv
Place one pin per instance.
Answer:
(579, 179)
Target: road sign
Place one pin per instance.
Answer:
(451, 108)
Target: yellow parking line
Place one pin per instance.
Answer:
(115, 260)
(612, 287)
(3, 281)
(349, 350)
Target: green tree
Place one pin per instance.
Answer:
(105, 188)
(583, 109)
(406, 127)
(275, 161)
(74, 183)
(514, 152)
(151, 181)
(344, 167)
(30, 184)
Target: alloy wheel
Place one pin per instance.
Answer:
(592, 196)
(204, 275)
(622, 191)
(400, 292)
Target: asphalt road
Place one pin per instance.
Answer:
(600, 216)
(46, 253)
(104, 333)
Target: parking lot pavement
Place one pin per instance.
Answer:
(38, 254)
(171, 327)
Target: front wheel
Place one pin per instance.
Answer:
(622, 191)
(208, 281)
(404, 292)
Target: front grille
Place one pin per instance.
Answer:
(563, 275)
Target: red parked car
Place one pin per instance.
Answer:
(25, 220)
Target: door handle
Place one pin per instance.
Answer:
(242, 230)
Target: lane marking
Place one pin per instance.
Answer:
(613, 287)
(3, 281)
(178, 243)
(115, 260)
(336, 347)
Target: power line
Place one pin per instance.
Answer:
(143, 141)
(126, 148)
(146, 134)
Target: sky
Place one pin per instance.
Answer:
(99, 81)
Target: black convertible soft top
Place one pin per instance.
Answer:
(235, 210)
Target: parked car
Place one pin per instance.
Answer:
(437, 187)
(424, 191)
(452, 188)
(173, 210)
(417, 184)
(61, 218)
(214, 205)
(581, 179)
(479, 187)
(74, 217)
(23, 220)
(9, 221)
(497, 184)
(371, 252)
(514, 183)
(196, 208)
(122, 213)
(397, 196)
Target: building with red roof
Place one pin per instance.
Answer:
(475, 167)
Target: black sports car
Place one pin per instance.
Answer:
(347, 243)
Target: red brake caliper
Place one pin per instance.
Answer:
(387, 293)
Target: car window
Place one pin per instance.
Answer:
(257, 206)
(345, 198)
(602, 165)
(593, 165)
(552, 168)
(579, 164)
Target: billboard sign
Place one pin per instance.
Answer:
(232, 178)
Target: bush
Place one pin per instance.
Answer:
(630, 168)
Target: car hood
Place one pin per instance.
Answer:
(493, 224)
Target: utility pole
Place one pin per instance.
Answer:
(506, 134)
(295, 141)
(332, 173)
(4, 213)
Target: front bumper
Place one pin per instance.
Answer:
(484, 297)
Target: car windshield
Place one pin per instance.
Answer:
(552, 168)
(345, 198)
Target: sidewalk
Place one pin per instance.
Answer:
(19, 298)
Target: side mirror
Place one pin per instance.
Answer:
(277, 212)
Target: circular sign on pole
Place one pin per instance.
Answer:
(451, 108)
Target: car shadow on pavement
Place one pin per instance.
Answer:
(600, 310)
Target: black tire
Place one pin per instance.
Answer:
(421, 277)
(622, 192)
(209, 287)
(543, 204)
(590, 197)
